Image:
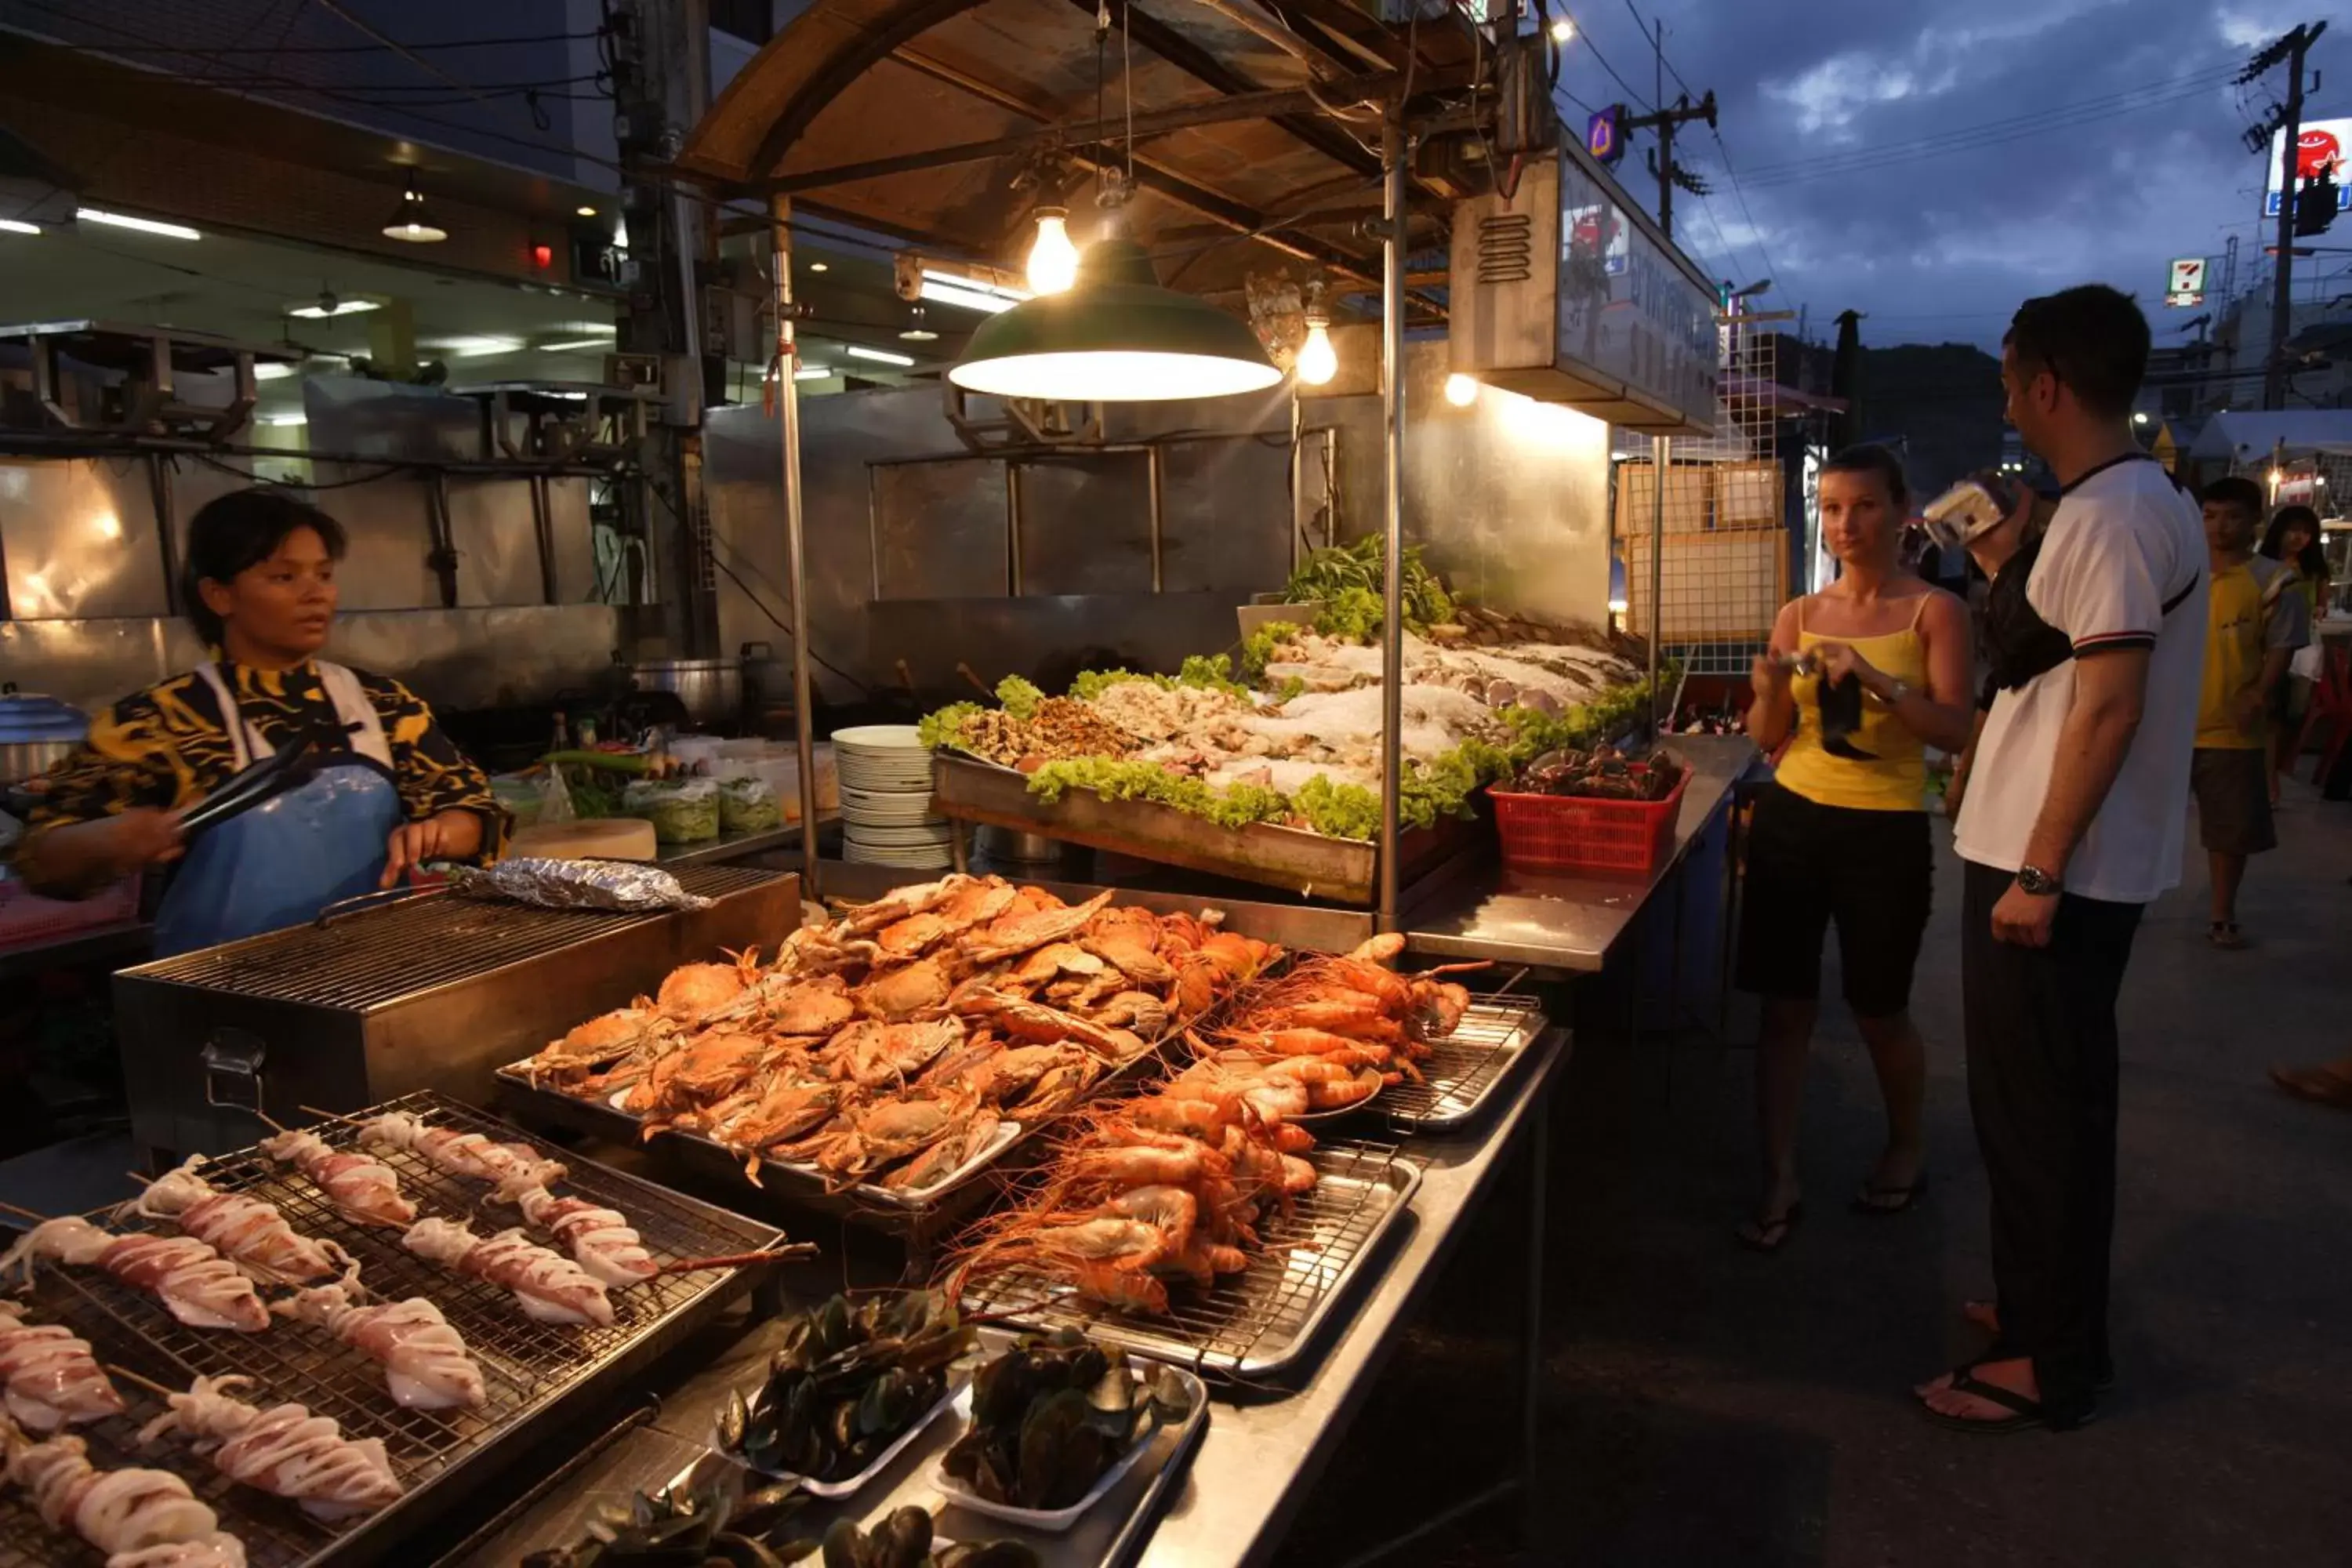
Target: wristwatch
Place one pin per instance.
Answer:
(2038, 882)
(1896, 691)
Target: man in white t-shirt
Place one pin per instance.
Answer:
(2072, 821)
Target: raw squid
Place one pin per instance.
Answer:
(200, 1287)
(460, 1153)
(246, 1231)
(284, 1450)
(424, 1361)
(549, 1289)
(48, 1376)
(364, 1189)
(139, 1519)
(601, 1240)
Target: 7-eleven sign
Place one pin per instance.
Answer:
(2185, 281)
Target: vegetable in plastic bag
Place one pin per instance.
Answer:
(747, 804)
(684, 812)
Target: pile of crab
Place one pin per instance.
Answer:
(907, 1039)
(1178, 1184)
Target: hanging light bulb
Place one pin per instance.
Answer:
(1052, 259)
(411, 222)
(1317, 361)
(1562, 29)
(1461, 391)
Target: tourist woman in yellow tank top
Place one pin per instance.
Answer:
(1841, 834)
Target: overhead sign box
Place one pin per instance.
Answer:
(1568, 293)
(2318, 151)
(1604, 137)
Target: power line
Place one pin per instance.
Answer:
(450, 44)
(1729, 172)
(1593, 49)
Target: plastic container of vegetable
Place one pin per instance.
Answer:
(747, 804)
(682, 811)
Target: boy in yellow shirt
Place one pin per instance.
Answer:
(2254, 626)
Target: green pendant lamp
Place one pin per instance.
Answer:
(1116, 336)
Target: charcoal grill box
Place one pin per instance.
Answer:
(432, 993)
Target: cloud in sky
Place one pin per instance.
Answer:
(1933, 163)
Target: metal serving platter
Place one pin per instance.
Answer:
(533, 1372)
(1266, 1321)
(1338, 869)
(1110, 1534)
(1465, 1068)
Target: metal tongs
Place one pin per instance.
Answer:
(252, 784)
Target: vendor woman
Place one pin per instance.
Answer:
(1861, 677)
(382, 789)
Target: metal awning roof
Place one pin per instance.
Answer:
(850, 106)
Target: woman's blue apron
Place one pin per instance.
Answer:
(283, 861)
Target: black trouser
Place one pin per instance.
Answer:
(2042, 1087)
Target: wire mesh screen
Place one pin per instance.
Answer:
(1262, 1321)
(1722, 565)
(525, 1365)
(1466, 1066)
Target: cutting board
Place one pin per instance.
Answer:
(601, 838)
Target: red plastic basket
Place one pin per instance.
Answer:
(1574, 833)
(27, 919)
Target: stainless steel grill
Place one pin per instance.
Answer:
(529, 1368)
(1465, 1068)
(430, 993)
(1264, 1320)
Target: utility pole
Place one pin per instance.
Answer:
(1670, 174)
(2296, 45)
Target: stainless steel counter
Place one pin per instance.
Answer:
(734, 845)
(1257, 1462)
(1566, 923)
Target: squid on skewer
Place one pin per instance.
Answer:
(200, 1288)
(139, 1519)
(468, 1155)
(364, 1189)
(48, 1376)
(426, 1364)
(248, 1232)
(548, 1287)
(284, 1450)
(601, 1240)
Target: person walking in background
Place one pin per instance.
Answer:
(2255, 621)
(2293, 537)
(1841, 836)
(2072, 824)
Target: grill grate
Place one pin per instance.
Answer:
(525, 1364)
(1466, 1067)
(379, 955)
(1258, 1321)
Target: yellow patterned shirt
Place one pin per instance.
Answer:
(169, 746)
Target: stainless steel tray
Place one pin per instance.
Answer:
(533, 1372)
(1466, 1069)
(1268, 1320)
(1112, 1534)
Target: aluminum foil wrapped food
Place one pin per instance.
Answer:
(577, 885)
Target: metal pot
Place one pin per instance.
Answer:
(711, 688)
(36, 733)
(1004, 845)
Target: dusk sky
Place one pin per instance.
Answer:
(1825, 107)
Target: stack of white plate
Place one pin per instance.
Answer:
(886, 799)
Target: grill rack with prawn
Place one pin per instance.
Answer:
(902, 1044)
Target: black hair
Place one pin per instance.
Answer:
(2235, 490)
(237, 532)
(2091, 338)
(2313, 561)
(1872, 458)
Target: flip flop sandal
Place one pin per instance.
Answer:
(1874, 1202)
(1770, 1236)
(2225, 935)
(2321, 1086)
(2026, 1414)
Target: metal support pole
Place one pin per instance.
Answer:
(1299, 543)
(1155, 476)
(1661, 454)
(1531, 1359)
(1012, 528)
(1393, 257)
(795, 542)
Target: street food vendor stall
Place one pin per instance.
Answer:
(1140, 1180)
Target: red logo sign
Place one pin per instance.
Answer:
(2316, 153)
